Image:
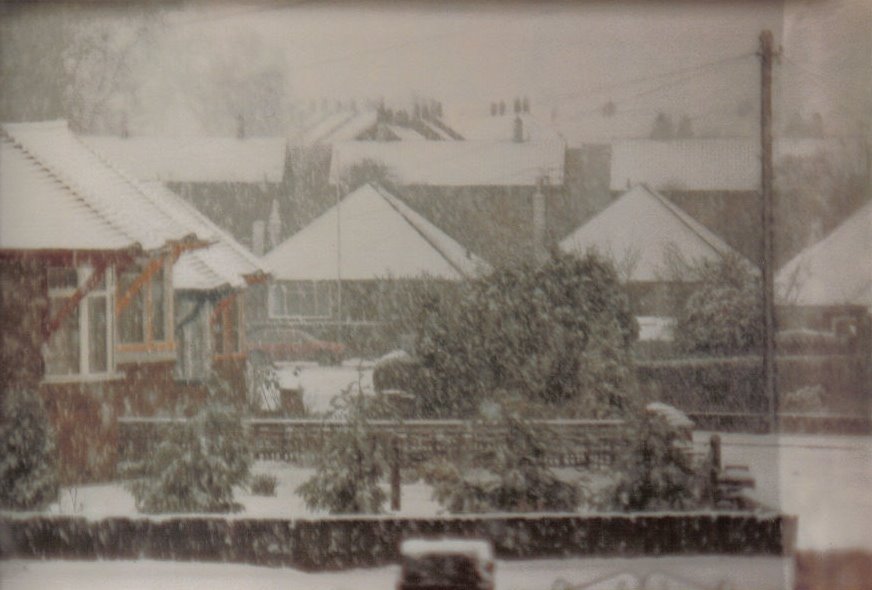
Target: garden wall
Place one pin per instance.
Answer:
(344, 542)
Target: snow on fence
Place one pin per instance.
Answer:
(576, 443)
(345, 542)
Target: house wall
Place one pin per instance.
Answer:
(376, 316)
(84, 413)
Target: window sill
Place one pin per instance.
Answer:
(144, 356)
(89, 378)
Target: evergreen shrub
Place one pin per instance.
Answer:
(28, 467)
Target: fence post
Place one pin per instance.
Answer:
(396, 481)
(715, 468)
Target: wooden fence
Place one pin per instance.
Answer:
(571, 443)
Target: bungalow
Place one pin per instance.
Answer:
(91, 261)
(828, 286)
(484, 194)
(346, 268)
(651, 240)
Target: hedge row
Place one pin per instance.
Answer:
(358, 542)
(735, 384)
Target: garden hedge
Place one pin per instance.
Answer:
(345, 542)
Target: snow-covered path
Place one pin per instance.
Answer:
(744, 573)
(825, 480)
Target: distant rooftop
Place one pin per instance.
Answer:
(700, 164)
(196, 159)
(456, 163)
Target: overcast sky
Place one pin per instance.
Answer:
(465, 54)
(695, 59)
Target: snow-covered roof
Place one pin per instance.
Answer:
(502, 128)
(196, 159)
(480, 549)
(731, 164)
(225, 263)
(686, 164)
(456, 163)
(379, 236)
(642, 231)
(339, 126)
(835, 271)
(57, 193)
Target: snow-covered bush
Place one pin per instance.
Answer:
(196, 466)
(656, 471)
(28, 474)
(263, 484)
(557, 333)
(508, 477)
(351, 464)
(724, 314)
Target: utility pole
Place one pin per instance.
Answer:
(766, 182)
(540, 250)
(338, 259)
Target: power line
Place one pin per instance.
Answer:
(699, 68)
(696, 72)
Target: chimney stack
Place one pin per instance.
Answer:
(258, 233)
(518, 130)
(274, 226)
(240, 126)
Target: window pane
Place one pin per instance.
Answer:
(158, 315)
(86, 274)
(98, 352)
(62, 350)
(305, 304)
(62, 278)
(131, 324)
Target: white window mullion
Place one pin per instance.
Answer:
(84, 324)
(110, 320)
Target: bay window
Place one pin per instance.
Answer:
(143, 321)
(82, 343)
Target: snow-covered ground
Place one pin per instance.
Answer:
(743, 573)
(826, 481)
(321, 384)
(105, 500)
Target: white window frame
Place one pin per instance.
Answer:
(83, 273)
